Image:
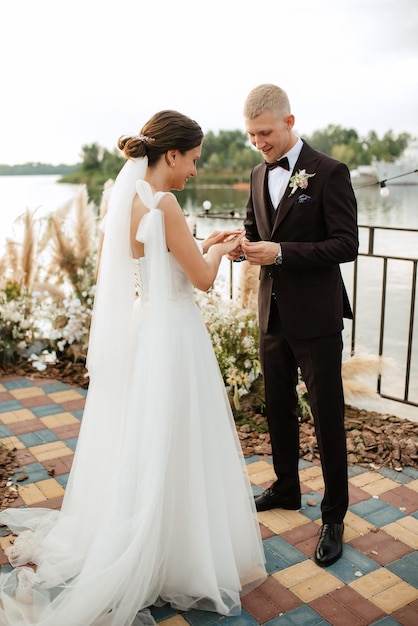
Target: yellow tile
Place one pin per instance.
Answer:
(48, 451)
(309, 473)
(260, 472)
(375, 582)
(10, 417)
(315, 484)
(31, 494)
(366, 478)
(406, 530)
(380, 486)
(413, 485)
(279, 522)
(26, 392)
(298, 573)
(50, 488)
(2, 388)
(60, 419)
(274, 522)
(294, 517)
(307, 580)
(410, 523)
(396, 597)
(6, 542)
(176, 620)
(355, 526)
(65, 396)
(12, 443)
(316, 587)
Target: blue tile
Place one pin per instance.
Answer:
(302, 616)
(256, 490)
(82, 391)
(62, 479)
(47, 409)
(5, 432)
(53, 387)
(34, 471)
(245, 619)
(352, 561)
(411, 471)
(376, 512)
(10, 405)
(252, 459)
(303, 464)
(71, 443)
(17, 384)
(406, 568)
(78, 414)
(355, 470)
(280, 554)
(386, 621)
(38, 437)
(311, 512)
(399, 477)
(202, 618)
(385, 516)
(274, 562)
(161, 613)
(6, 569)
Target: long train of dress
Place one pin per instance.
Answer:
(158, 507)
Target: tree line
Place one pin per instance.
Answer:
(227, 157)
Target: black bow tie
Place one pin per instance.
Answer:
(283, 162)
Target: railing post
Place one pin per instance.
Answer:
(411, 330)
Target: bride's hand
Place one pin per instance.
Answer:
(232, 244)
(220, 236)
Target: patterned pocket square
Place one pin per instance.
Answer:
(304, 198)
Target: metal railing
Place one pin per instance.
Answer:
(386, 259)
(371, 252)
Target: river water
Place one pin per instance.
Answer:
(399, 210)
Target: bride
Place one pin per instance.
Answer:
(158, 507)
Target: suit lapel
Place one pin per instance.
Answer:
(307, 161)
(264, 223)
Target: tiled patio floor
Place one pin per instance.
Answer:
(374, 583)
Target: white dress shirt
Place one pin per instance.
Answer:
(278, 179)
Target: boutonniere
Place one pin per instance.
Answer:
(299, 180)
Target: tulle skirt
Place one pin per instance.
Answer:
(158, 507)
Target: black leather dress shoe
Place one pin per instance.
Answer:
(330, 544)
(270, 500)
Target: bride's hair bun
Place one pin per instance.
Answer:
(132, 146)
(166, 130)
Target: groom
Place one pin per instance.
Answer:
(301, 224)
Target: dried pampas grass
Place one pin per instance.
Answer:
(104, 204)
(248, 287)
(355, 372)
(19, 262)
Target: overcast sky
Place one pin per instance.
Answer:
(86, 71)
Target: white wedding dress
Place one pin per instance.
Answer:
(158, 507)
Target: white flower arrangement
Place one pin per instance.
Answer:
(234, 335)
(299, 181)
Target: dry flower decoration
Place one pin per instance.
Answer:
(299, 180)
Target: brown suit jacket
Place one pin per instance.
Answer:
(317, 230)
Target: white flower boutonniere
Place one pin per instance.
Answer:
(300, 179)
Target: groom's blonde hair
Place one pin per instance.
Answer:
(264, 98)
